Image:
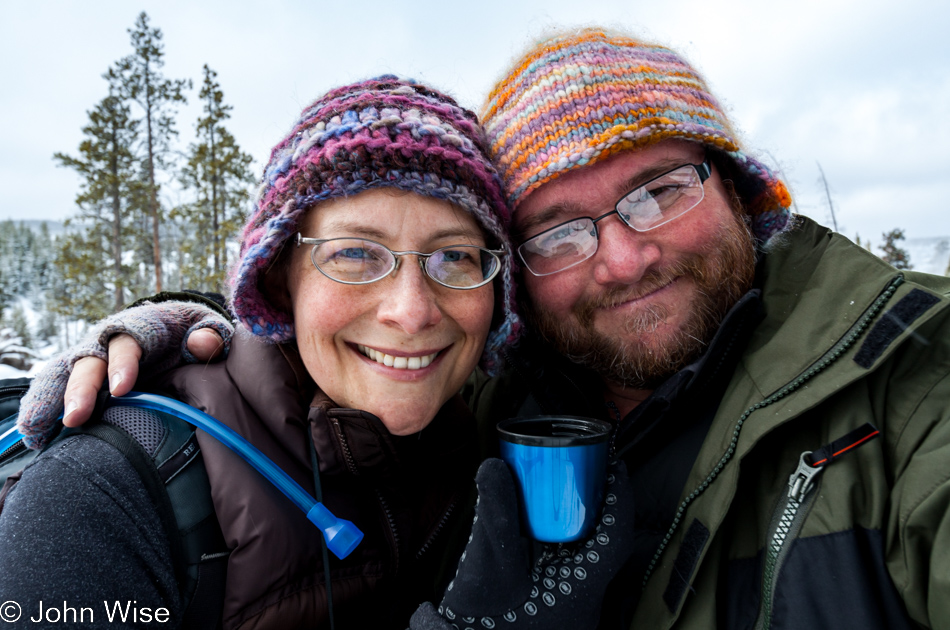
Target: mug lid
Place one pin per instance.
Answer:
(554, 431)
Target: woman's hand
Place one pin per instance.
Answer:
(89, 374)
(153, 337)
(124, 354)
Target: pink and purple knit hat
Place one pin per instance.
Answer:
(577, 98)
(384, 132)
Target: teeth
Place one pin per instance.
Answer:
(400, 363)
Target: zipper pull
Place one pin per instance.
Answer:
(801, 481)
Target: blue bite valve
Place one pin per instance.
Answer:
(341, 535)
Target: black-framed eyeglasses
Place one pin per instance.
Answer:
(362, 261)
(656, 203)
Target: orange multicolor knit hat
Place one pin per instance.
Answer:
(578, 98)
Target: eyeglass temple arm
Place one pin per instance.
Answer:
(300, 239)
(703, 170)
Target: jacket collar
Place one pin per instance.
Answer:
(562, 386)
(357, 442)
(813, 303)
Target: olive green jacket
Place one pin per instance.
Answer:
(846, 340)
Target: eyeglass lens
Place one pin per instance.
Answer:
(655, 203)
(560, 248)
(358, 261)
(662, 199)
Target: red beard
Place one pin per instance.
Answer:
(640, 356)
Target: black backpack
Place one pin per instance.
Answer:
(164, 451)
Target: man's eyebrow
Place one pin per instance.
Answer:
(553, 214)
(660, 168)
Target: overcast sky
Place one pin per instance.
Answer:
(861, 87)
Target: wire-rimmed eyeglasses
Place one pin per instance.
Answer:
(362, 261)
(659, 201)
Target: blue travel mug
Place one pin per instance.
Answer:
(559, 464)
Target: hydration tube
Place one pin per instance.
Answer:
(342, 536)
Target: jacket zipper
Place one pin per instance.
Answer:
(832, 355)
(351, 466)
(14, 388)
(392, 528)
(438, 528)
(347, 454)
(786, 524)
(18, 447)
(13, 451)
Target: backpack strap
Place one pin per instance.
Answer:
(148, 473)
(174, 459)
(164, 453)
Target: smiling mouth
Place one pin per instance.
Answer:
(399, 363)
(618, 300)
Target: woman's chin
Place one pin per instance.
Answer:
(406, 421)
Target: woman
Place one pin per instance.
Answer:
(367, 266)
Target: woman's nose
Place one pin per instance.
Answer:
(410, 299)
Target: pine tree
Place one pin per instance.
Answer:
(218, 172)
(893, 253)
(141, 80)
(109, 168)
(20, 326)
(43, 259)
(47, 327)
(7, 281)
(5, 294)
(78, 291)
(22, 262)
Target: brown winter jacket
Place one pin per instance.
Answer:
(402, 492)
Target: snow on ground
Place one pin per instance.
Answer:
(7, 371)
(46, 351)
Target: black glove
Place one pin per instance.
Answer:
(497, 584)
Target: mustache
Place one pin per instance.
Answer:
(651, 281)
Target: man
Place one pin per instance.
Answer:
(723, 356)
(779, 395)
